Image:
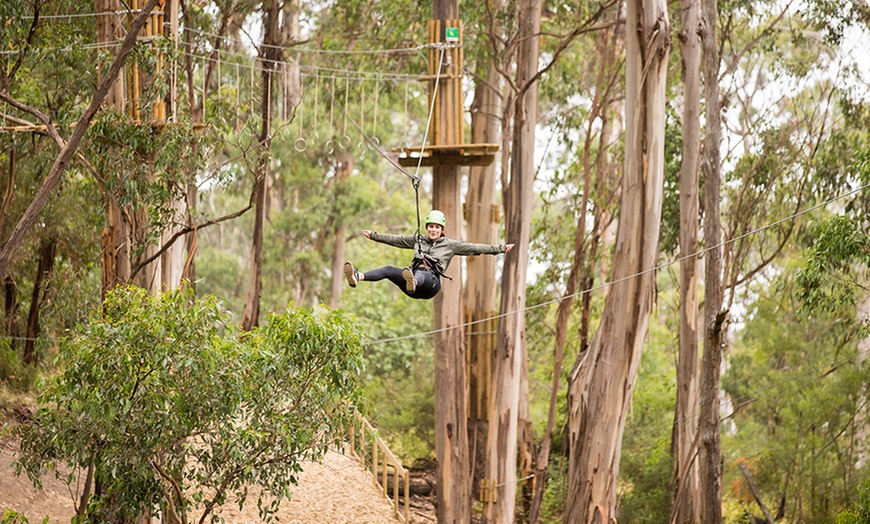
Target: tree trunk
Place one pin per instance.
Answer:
(523, 162)
(714, 320)
(10, 293)
(343, 168)
(110, 29)
(480, 291)
(176, 267)
(755, 493)
(602, 381)
(507, 369)
(601, 99)
(453, 502)
(687, 500)
(47, 249)
(451, 434)
(172, 260)
(271, 54)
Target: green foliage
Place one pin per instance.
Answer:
(860, 513)
(555, 493)
(167, 401)
(401, 406)
(840, 254)
(669, 236)
(13, 372)
(795, 387)
(646, 469)
(14, 517)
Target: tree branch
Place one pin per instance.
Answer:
(53, 179)
(50, 129)
(6, 79)
(567, 40)
(754, 489)
(185, 230)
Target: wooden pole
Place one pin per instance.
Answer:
(451, 438)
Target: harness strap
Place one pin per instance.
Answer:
(421, 261)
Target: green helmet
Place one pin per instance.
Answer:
(436, 217)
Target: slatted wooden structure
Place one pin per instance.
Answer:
(135, 78)
(481, 339)
(446, 132)
(363, 435)
(133, 81)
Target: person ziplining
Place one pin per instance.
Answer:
(432, 255)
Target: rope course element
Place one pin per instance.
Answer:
(415, 178)
(344, 141)
(375, 123)
(72, 16)
(300, 144)
(330, 144)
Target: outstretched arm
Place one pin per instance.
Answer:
(467, 248)
(403, 241)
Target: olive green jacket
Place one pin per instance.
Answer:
(441, 251)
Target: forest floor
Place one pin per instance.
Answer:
(338, 490)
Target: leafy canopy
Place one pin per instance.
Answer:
(167, 401)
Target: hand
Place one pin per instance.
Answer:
(507, 248)
(367, 233)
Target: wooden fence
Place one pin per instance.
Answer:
(365, 444)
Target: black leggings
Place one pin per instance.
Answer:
(428, 285)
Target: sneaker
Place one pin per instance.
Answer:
(351, 274)
(410, 283)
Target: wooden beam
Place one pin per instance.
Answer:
(447, 160)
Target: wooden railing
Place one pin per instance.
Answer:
(364, 436)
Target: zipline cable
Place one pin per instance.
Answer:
(416, 182)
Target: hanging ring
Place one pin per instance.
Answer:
(374, 142)
(330, 146)
(344, 142)
(300, 144)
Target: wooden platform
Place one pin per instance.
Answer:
(447, 155)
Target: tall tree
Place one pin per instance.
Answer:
(67, 147)
(608, 52)
(270, 55)
(518, 196)
(479, 292)
(714, 318)
(601, 383)
(684, 445)
(451, 434)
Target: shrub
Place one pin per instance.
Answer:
(174, 410)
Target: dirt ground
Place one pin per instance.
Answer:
(337, 491)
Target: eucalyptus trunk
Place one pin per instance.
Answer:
(578, 273)
(505, 401)
(453, 486)
(270, 55)
(687, 499)
(602, 381)
(479, 292)
(47, 250)
(343, 168)
(714, 318)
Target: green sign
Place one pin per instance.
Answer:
(451, 34)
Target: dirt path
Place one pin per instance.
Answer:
(335, 492)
